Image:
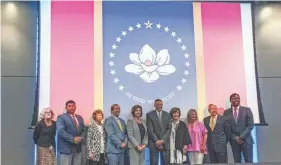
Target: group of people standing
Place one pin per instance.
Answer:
(165, 134)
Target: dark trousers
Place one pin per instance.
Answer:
(100, 162)
(154, 155)
(218, 157)
(115, 159)
(246, 149)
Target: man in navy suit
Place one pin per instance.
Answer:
(115, 128)
(70, 130)
(241, 124)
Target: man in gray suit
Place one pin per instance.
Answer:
(115, 128)
(218, 133)
(159, 128)
(241, 123)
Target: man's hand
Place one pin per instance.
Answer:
(77, 139)
(160, 148)
(159, 142)
(123, 145)
(143, 147)
(238, 140)
(139, 148)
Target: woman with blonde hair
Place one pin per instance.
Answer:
(198, 135)
(44, 136)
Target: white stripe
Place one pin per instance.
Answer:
(45, 49)
(45, 55)
(249, 62)
(255, 145)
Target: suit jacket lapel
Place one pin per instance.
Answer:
(232, 115)
(143, 123)
(71, 119)
(79, 122)
(122, 125)
(164, 120)
(157, 118)
(95, 127)
(217, 121)
(135, 126)
(239, 114)
(116, 123)
(208, 123)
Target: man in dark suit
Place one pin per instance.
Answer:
(115, 128)
(70, 128)
(218, 133)
(158, 128)
(241, 123)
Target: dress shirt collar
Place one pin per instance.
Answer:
(238, 107)
(215, 117)
(72, 115)
(158, 111)
(116, 118)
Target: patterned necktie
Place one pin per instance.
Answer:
(119, 124)
(212, 123)
(74, 120)
(235, 113)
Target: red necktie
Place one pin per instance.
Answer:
(74, 120)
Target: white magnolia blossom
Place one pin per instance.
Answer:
(149, 65)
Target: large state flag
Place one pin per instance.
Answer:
(148, 54)
(103, 53)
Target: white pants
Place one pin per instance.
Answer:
(195, 157)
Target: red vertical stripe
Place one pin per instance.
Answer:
(72, 56)
(223, 52)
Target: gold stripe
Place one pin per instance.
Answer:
(199, 55)
(98, 56)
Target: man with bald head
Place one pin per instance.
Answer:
(218, 132)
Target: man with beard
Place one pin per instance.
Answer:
(241, 124)
(115, 128)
